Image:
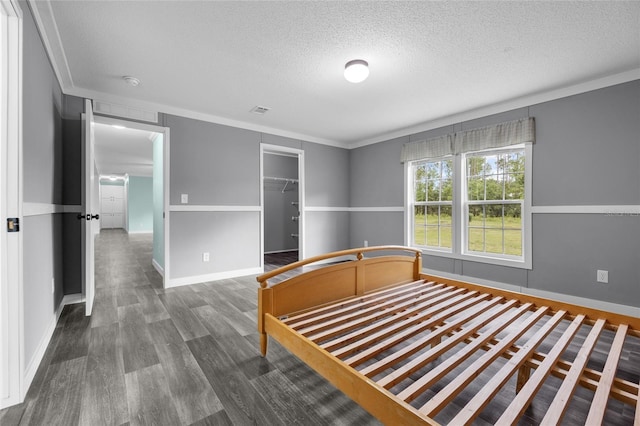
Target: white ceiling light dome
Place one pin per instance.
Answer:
(356, 71)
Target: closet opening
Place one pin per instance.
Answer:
(282, 204)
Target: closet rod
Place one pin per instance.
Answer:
(286, 181)
(279, 179)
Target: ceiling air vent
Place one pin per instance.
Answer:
(259, 109)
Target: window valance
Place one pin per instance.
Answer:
(496, 136)
(429, 148)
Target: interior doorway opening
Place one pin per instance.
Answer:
(131, 160)
(282, 205)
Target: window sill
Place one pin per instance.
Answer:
(520, 264)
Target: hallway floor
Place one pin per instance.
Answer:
(188, 355)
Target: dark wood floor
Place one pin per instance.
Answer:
(183, 356)
(189, 355)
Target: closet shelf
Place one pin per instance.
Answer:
(286, 181)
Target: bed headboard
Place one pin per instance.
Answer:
(337, 281)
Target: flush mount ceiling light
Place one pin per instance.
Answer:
(356, 71)
(132, 81)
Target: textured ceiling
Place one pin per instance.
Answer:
(430, 61)
(123, 151)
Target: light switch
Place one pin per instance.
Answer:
(184, 198)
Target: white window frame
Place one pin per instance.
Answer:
(460, 218)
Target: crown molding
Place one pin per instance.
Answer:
(48, 29)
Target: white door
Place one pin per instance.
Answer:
(90, 207)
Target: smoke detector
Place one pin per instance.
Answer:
(259, 109)
(132, 81)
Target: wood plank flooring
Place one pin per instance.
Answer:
(184, 356)
(190, 356)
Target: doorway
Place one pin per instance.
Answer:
(282, 205)
(132, 162)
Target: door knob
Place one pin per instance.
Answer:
(80, 216)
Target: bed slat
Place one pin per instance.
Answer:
(432, 338)
(406, 328)
(424, 310)
(435, 351)
(412, 391)
(528, 391)
(380, 307)
(599, 402)
(338, 309)
(456, 386)
(563, 396)
(409, 306)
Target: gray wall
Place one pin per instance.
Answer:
(43, 183)
(326, 186)
(277, 203)
(587, 152)
(215, 165)
(218, 165)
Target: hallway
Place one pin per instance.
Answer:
(188, 355)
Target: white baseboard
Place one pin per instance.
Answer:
(157, 267)
(196, 279)
(139, 232)
(632, 311)
(71, 299)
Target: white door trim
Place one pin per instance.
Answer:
(165, 131)
(12, 363)
(293, 152)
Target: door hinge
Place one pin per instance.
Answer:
(13, 224)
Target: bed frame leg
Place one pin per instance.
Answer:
(263, 344)
(524, 373)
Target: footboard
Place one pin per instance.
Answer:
(337, 282)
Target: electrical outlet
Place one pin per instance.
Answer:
(184, 198)
(603, 276)
(366, 243)
(205, 256)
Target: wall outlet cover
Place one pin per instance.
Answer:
(205, 256)
(184, 198)
(603, 276)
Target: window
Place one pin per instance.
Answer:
(494, 184)
(468, 194)
(433, 202)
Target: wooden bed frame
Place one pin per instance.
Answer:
(404, 345)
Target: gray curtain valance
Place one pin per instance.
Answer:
(430, 148)
(496, 136)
